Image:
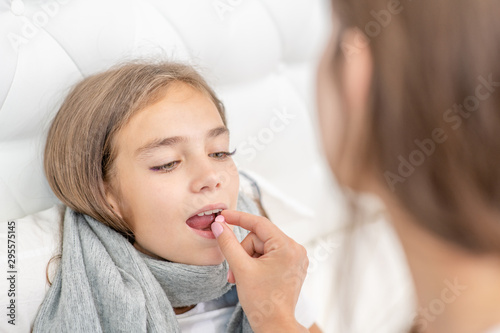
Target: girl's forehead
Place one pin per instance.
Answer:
(182, 115)
(177, 104)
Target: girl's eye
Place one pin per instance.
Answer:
(166, 167)
(222, 155)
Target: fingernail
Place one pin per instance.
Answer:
(219, 218)
(217, 228)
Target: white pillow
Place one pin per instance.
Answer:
(32, 242)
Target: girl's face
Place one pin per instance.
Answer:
(172, 164)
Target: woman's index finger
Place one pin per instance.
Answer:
(259, 225)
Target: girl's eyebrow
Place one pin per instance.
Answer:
(217, 131)
(174, 140)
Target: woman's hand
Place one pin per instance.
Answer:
(268, 269)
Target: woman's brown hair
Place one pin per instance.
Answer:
(80, 151)
(434, 110)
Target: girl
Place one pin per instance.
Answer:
(140, 156)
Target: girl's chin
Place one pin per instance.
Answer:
(210, 256)
(216, 259)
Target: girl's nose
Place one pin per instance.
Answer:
(207, 178)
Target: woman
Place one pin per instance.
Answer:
(418, 126)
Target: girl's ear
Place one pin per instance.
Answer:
(112, 199)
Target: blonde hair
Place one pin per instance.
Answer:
(80, 151)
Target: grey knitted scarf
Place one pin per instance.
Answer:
(104, 284)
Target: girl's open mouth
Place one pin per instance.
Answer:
(201, 222)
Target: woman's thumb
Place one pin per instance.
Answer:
(229, 244)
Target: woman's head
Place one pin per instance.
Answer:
(419, 84)
(142, 148)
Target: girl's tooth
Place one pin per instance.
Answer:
(209, 212)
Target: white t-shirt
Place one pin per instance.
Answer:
(213, 316)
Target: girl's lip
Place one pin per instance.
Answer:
(210, 207)
(204, 233)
